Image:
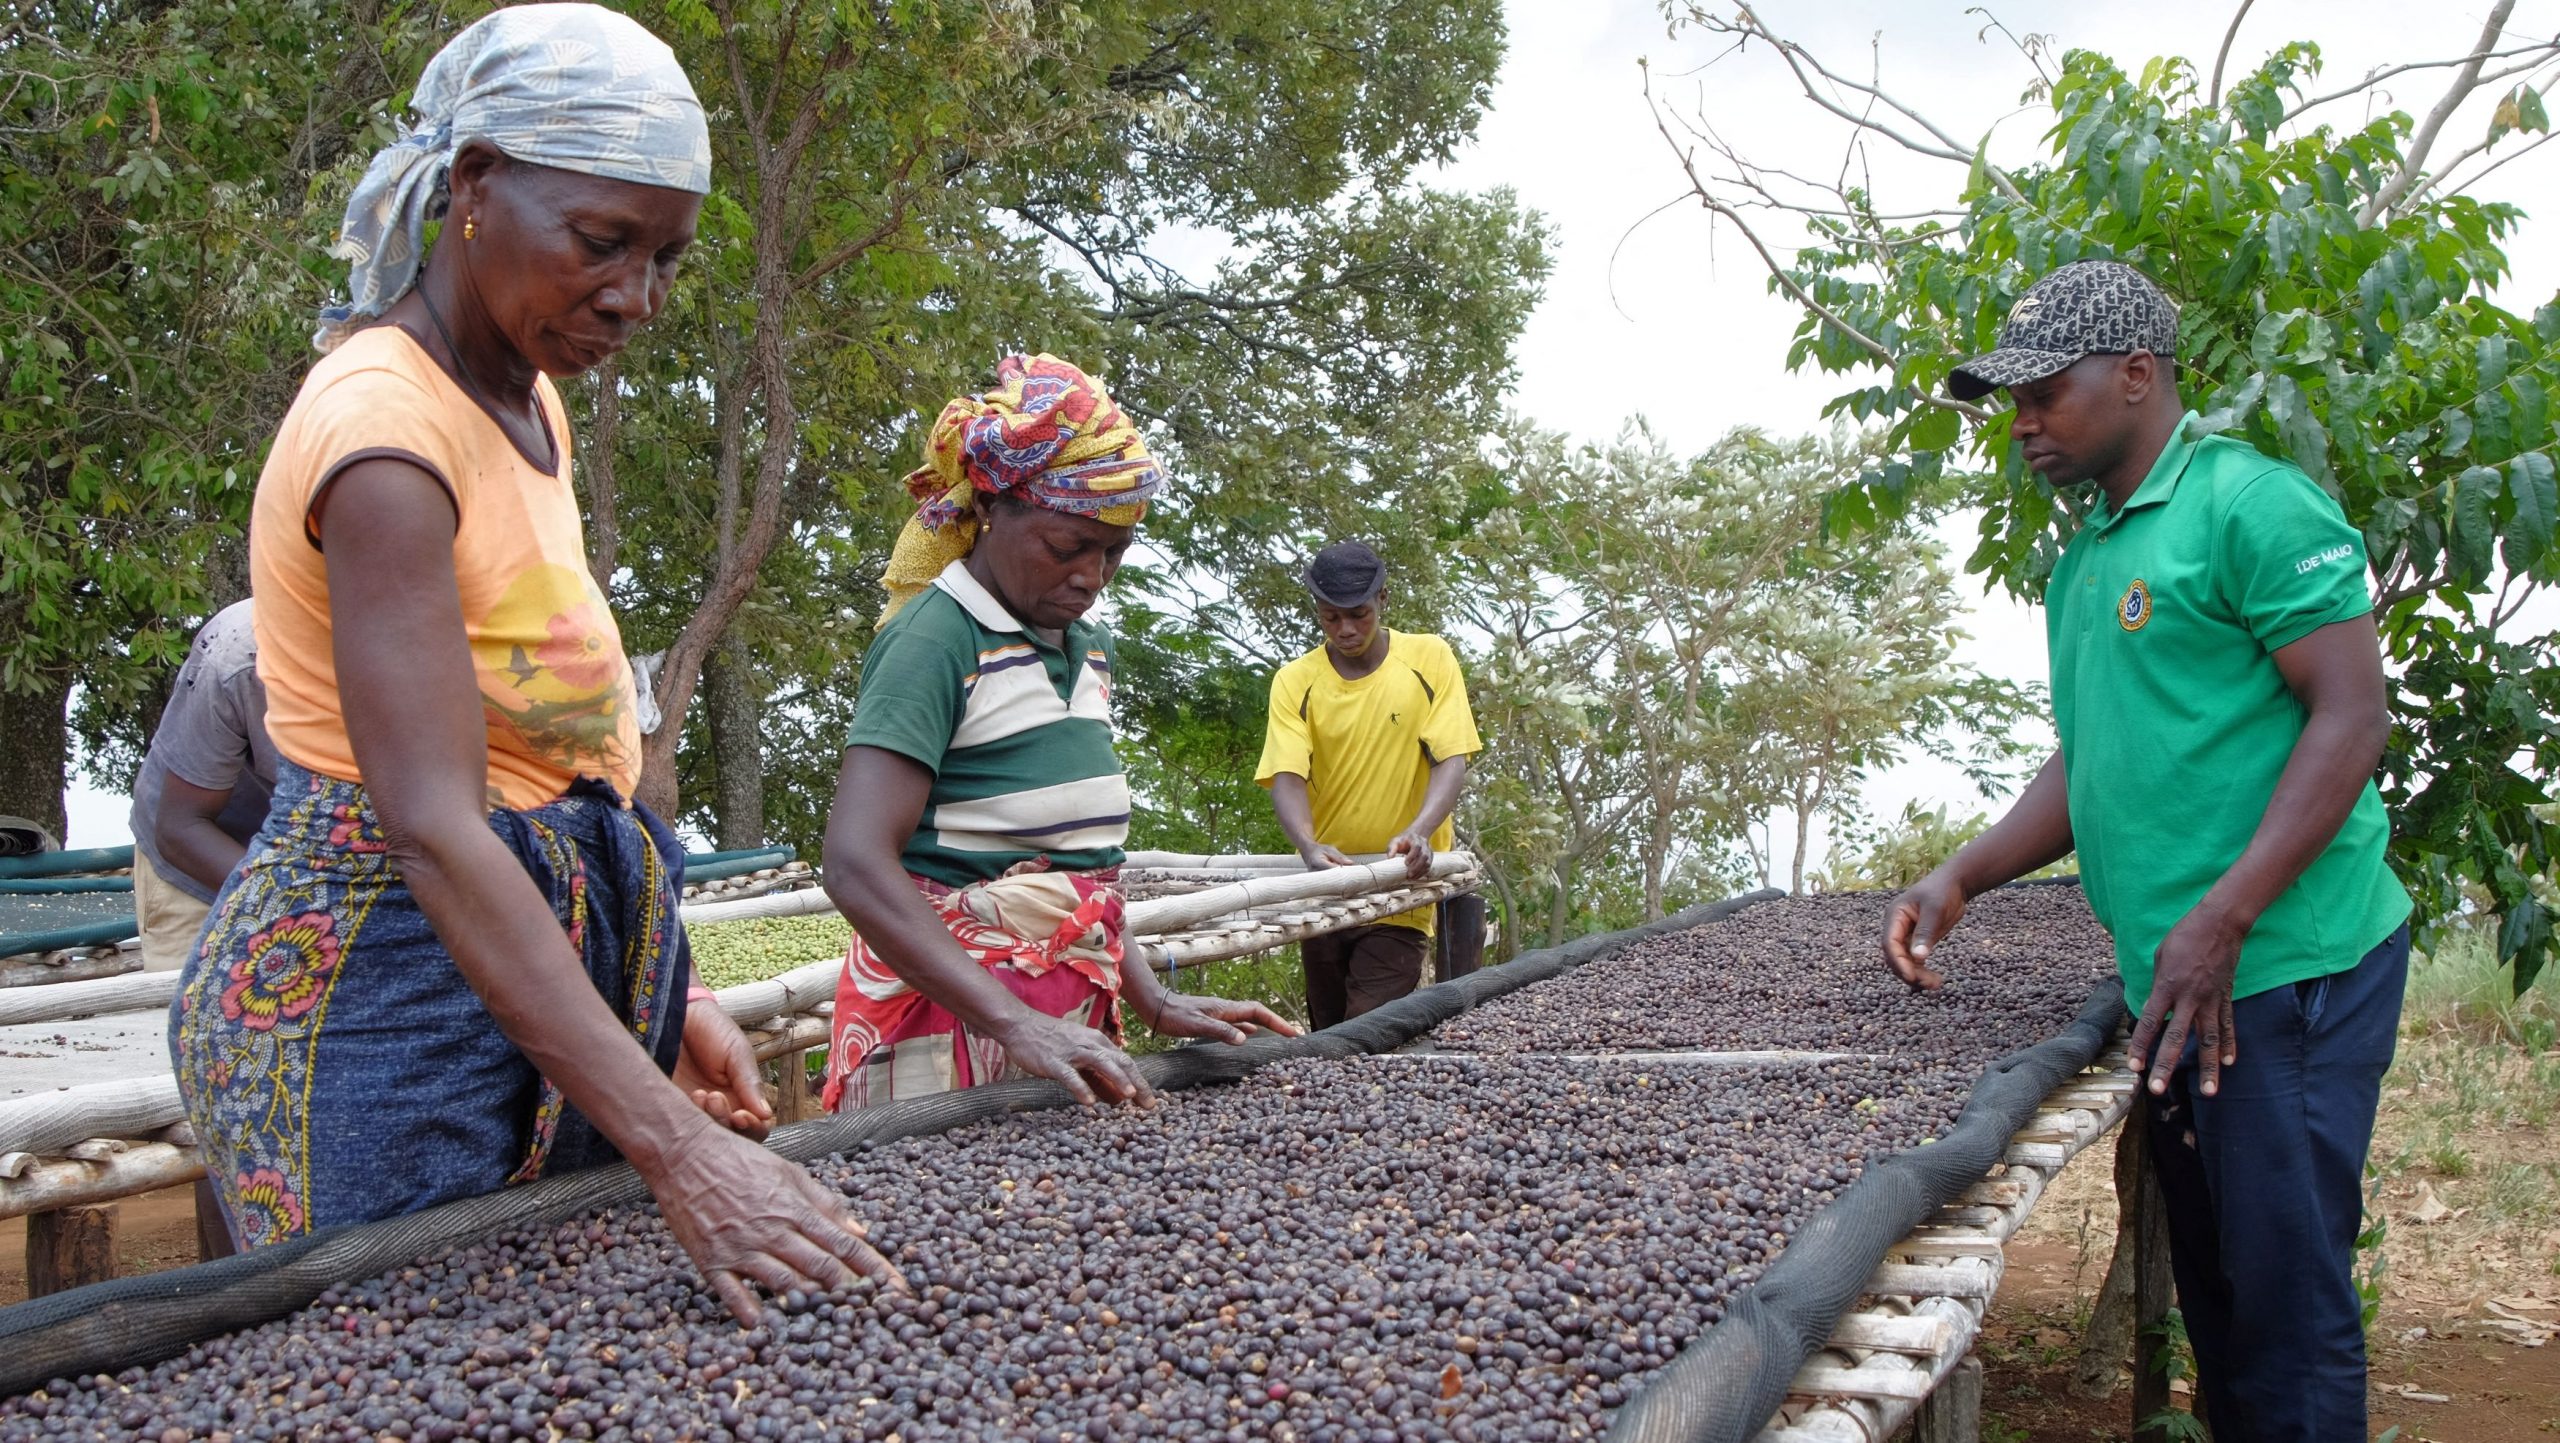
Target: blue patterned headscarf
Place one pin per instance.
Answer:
(573, 86)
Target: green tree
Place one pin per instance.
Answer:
(1670, 649)
(907, 192)
(167, 180)
(1890, 857)
(2334, 282)
(1847, 671)
(1191, 715)
(904, 192)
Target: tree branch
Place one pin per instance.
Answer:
(2378, 75)
(1802, 297)
(2213, 96)
(2484, 172)
(1798, 58)
(604, 526)
(888, 225)
(2414, 164)
(2395, 595)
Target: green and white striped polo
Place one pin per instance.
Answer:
(1016, 732)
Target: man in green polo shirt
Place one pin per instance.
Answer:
(2219, 698)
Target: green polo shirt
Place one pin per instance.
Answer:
(2163, 621)
(1016, 732)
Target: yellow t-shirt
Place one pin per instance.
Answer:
(1367, 747)
(555, 686)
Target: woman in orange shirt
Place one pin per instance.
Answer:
(451, 960)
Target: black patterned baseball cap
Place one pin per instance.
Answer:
(2086, 308)
(1346, 574)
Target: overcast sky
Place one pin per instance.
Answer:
(1670, 318)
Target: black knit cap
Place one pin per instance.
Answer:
(1346, 574)
(2087, 308)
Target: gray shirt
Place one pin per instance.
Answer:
(213, 735)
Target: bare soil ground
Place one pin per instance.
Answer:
(2467, 1348)
(154, 1231)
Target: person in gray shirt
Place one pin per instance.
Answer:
(203, 790)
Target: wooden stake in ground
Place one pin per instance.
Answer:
(70, 1248)
(793, 1099)
(2107, 1347)
(2151, 1283)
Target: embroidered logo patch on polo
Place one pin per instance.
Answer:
(2135, 610)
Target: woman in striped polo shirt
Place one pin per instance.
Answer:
(975, 840)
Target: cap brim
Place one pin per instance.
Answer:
(2008, 366)
(1363, 599)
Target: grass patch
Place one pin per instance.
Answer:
(2468, 1111)
(2457, 985)
(726, 954)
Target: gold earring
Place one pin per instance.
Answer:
(471, 227)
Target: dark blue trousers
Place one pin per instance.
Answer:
(2265, 1190)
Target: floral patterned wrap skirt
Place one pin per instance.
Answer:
(1054, 939)
(335, 1065)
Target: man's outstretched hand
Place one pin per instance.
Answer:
(1921, 918)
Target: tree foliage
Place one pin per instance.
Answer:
(2335, 291)
(1671, 649)
(159, 260)
(1214, 207)
(1220, 208)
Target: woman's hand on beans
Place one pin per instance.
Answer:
(748, 1216)
(716, 1067)
(1220, 1018)
(1077, 1058)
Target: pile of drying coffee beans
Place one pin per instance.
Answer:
(1410, 1247)
(1806, 973)
(1376, 1249)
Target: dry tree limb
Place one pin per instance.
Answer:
(1718, 205)
(2213, 95)
(2464, 82)
(2540, 50)
(1748, 23)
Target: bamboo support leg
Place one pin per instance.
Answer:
(70, 1248)
(1952, 1413)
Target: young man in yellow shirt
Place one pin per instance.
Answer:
(1366, 751)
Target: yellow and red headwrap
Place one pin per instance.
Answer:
(1048, 434)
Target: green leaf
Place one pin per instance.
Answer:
(2300, 431)
(2531, 482)
(2231, 408)
(2532, 412)
(2456, 426)
(1936, 429)
(2530, 114)
(2475, 494)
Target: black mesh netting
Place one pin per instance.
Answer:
(1724, 1388)
(134, 1322)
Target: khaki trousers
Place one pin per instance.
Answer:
(170, 919)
